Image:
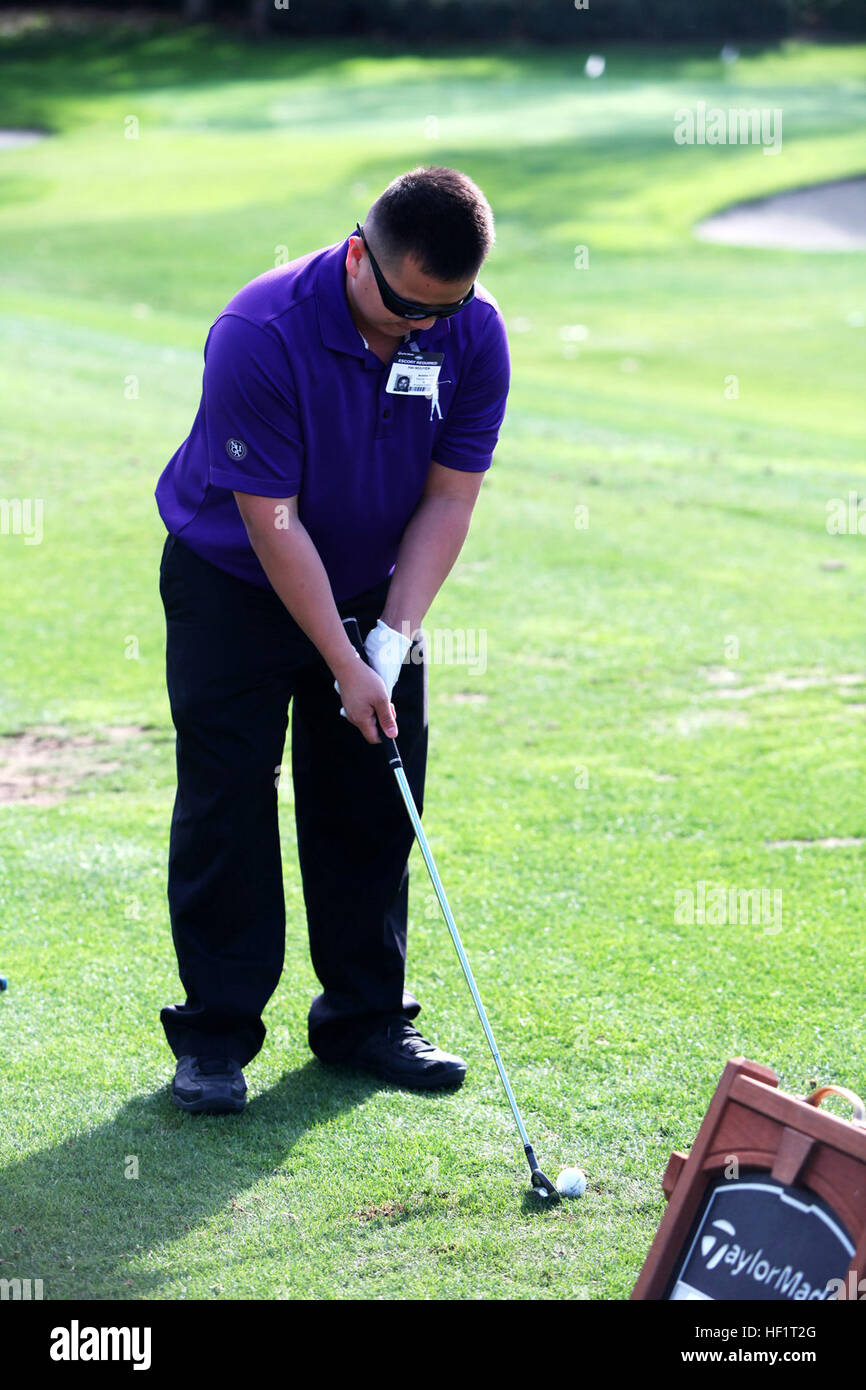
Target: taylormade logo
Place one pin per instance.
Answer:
(753, 1264)
(76, 1343)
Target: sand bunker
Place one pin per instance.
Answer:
(12, 139)
(827, 217)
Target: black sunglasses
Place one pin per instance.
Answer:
(406, 308)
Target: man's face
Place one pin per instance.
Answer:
(406, 279)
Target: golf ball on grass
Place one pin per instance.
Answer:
(571, 1182)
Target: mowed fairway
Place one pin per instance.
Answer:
(673, 679)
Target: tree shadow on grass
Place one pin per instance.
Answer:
(77, 1217)
(79, 57)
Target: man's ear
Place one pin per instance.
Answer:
(354, 256)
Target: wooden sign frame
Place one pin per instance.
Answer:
(752, 1125)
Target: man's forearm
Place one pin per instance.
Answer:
(431, 543)
(294, 567)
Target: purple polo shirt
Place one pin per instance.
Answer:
(294, 403)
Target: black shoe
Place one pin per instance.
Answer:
(397, 1052)
(209, 1086)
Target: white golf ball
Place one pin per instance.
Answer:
(571, 1182)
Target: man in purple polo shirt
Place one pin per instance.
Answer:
(351, 402)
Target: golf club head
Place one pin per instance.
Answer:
(543, 1187)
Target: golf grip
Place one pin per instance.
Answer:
(353, 632)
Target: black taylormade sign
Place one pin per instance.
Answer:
(755, 1238)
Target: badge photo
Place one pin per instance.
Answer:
(414, 373)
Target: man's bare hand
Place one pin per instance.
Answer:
(365, 699)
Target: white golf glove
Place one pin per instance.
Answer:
(386, 651)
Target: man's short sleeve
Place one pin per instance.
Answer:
(471, 428)
(253, 428)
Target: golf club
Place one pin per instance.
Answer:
(541, 1184)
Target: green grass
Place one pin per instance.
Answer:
(609, 649)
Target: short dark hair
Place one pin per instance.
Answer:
(437, 216)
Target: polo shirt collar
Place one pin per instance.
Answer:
(336, 325)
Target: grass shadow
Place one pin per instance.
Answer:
(75, 1216)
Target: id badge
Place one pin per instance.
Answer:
(414, 373)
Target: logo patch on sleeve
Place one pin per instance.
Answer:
(236, 448)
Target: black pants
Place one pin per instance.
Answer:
(235, 658)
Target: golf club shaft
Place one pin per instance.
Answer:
(392, 754)
(409, 801)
